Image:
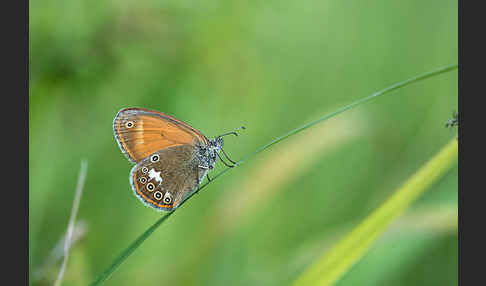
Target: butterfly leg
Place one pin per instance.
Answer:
(226, 164)
(227, 157)
(206, 168)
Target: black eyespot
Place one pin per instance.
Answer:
(129, 124)
(158, 195)
(150, 187)
(143, 180)
(144, 170)
(154, 158)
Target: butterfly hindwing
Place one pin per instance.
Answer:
(173, 173)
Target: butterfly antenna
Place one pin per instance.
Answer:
(233, 131)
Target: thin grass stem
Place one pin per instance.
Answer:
(72, 219)
(118, 261)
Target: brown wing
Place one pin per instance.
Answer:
(141, 132)
(175, 171)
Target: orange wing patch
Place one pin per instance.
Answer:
(141, 132)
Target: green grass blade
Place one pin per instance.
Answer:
(125, 254)
(338, 260)
(369, 98)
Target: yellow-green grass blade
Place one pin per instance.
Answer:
(328, 269)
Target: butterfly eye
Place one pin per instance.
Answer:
(158, 195)
(129, 124)
(167, 198)
(154, 158)
(143, 180)
(144, 170)
(150, 187)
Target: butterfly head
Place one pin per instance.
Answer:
(214, 147)
(210, 151)
(216, 143)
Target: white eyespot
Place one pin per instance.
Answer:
(143, 180)
(150, 187)
(144, 170)
(154, 158)
(129, 124)
(167, 198)
(158, 195)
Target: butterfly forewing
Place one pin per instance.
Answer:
(174, 170)
(141, 132)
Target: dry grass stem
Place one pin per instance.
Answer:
(72, 219)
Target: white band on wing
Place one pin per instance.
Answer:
(155, 175)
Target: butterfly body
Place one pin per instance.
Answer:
(171, 158)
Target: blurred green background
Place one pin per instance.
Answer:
(271, 66)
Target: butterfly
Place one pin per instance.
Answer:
(171, 158)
